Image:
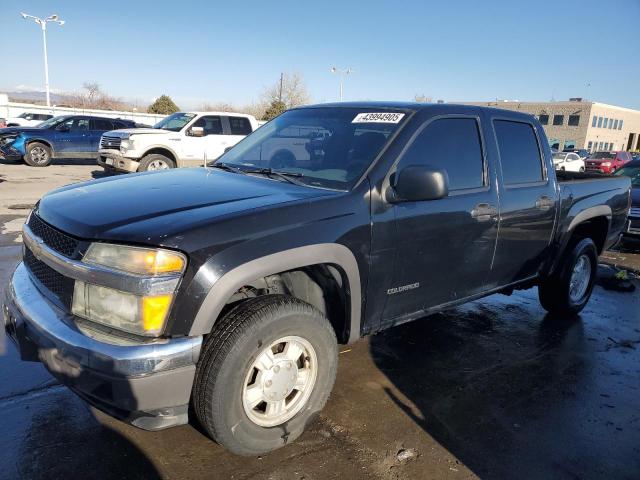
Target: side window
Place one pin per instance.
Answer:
(519, 152)
(454, 145)
(211, 125)
(80, 124)
(101, 124)
(240, 125)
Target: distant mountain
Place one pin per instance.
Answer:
(33, 97)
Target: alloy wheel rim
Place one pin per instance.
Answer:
(158, 165)
(279, 382)
(38, 155)
(580, 278)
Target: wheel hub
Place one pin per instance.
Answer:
(278, 382)
(580, 278)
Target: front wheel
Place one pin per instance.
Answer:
(266, 370)
(568, 290)
(38, 155)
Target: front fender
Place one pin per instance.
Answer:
(227, 282)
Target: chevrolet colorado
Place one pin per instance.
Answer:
(229, 288)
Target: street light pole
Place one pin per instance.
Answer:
(342, 73)
(43, 25)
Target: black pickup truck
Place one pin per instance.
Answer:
(229, 288)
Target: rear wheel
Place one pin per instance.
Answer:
(155, 161)
(266, 370)
(38, 155)
(568, 290)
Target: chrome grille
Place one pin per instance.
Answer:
(634, 212)
(53, 238)
(110, 142)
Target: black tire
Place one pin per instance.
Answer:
(148, 160)
(229, 354)
(554, 291)
(38, 155)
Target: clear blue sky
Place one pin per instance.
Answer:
(229, 51)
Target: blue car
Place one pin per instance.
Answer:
(69, 136)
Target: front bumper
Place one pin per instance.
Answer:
(146, 384)
(633, 228)
(11, 154)
(111, 159)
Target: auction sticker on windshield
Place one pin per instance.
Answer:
(383, 117)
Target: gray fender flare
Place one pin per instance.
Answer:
(591, 212)
(232, 280)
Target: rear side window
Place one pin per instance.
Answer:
(240, 126)
(101, 124)
(452, 144)
(519, 152)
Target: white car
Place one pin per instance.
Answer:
(184, 139)
(27, 119)
(567, 161)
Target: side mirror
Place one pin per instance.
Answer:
(63, 128)
(420, 182)
(227, 149)
(196, 132)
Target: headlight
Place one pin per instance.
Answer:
(606, 164)
(126, 144)
(140, 314)
(137, 260)
(121, 310)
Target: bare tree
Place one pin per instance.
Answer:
(219, 107)
(290, 89)
(93, 97)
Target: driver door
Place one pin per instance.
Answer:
(210, 146)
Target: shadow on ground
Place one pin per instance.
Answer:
(506, 388)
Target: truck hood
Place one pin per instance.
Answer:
(153, 207)
(127, 132)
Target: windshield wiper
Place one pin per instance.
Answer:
(226, 167)
(286, 176)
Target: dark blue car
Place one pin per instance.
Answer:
(69, 136)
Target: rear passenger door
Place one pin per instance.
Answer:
(444, 247)
(528, 200)
(97, 126)
(238, 128)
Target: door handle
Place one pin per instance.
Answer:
(483, 212)
(544, 203)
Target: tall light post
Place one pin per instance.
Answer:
(43, 25)
(342, 73)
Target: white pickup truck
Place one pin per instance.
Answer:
(183, 139)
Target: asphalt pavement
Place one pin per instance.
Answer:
(494, 389)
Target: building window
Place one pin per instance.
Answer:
(544, 119)
(606, 123)
(620, 125)
(600, 146)
(558, 119)
(569, 145)
(594, 121)
(574, 120)
(615, 124)
(589, 145)
(599, 122)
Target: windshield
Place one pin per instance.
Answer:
(52, 122)
(175, 122)
(603, 155)
(559, 156)
(23, 115)
(324, 147)
(631, 171)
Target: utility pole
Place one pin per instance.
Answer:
(281, 80)
(43, 25)
(342, 73)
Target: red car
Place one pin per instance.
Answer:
(607, 162)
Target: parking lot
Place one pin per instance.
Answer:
(494, 389)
